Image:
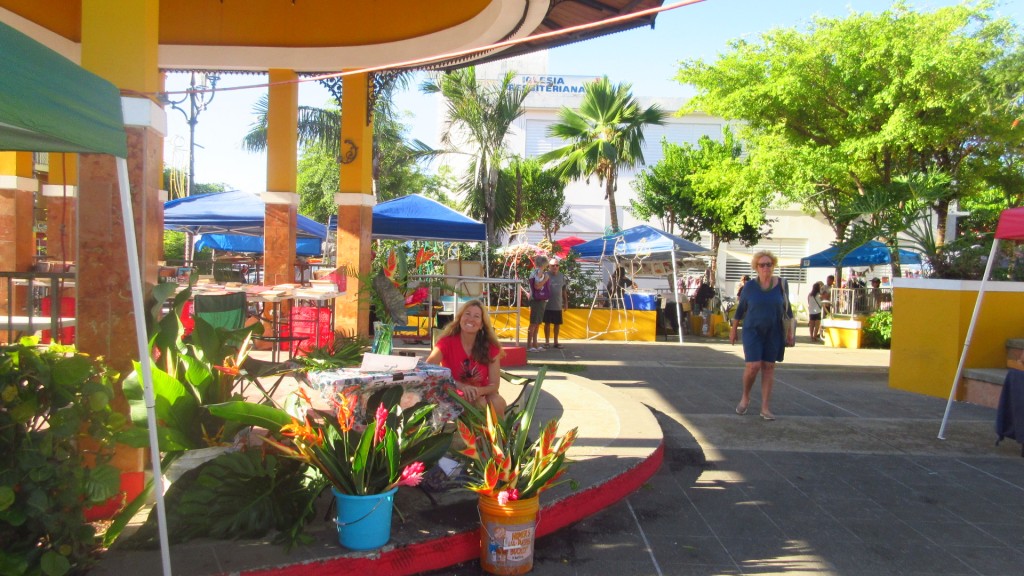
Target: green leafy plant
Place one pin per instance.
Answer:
(878, 331)
(188, 374)
(501, 461)
(343, 352)
(394, 449)
(244, 494)
(56, 437)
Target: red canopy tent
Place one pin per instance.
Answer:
(1010, 227)
(564, 244)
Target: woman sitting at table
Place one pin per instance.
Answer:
(469, 348)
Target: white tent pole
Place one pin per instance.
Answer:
(967, 340)
(144, 362)
(675, 290)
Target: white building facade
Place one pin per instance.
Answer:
(794, 233)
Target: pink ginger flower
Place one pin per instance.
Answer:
(382, 420)
(412, 475)
(506, 496)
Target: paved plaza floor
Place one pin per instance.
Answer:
(849, 480)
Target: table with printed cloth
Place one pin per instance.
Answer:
(425, 383)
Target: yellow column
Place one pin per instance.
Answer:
(282, 169)
(355, 204)
(119, 42)
(17, 238)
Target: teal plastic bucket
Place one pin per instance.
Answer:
(364, 522)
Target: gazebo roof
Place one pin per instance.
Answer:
(316, 35)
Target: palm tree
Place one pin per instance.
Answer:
(606, 133)
(479, 117)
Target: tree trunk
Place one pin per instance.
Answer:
(941, 208)
(609, 190)
(716, 242)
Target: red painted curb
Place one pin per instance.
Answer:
(465, 546)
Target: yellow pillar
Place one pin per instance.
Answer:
(17, 238)
(280, 218)
(355, 204)
(120, 39)
(119, 43)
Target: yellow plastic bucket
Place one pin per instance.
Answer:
(507, 535)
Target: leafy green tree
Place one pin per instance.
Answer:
(853, 104)
(539, 196)
(479, 116)
(704, 188)
(604, 135)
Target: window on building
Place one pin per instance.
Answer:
(787, 249)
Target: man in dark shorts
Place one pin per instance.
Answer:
(558, 302)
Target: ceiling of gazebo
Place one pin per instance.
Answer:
(318, 35)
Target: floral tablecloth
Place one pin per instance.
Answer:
(425, 383)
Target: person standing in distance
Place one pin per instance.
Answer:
(540, 292)
(557, 303)
(765, 311)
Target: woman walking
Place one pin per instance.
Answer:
(765, 312)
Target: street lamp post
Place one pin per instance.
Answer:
(202, 89)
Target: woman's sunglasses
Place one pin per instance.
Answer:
(764, 265)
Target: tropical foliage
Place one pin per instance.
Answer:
(704, 188)
(837, 115)
(501, 461)
(58, 430)
(394, 449)
(539, 196)
(479, 116)
(605, 135)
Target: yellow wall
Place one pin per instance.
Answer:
(631, 325)
(930, 326)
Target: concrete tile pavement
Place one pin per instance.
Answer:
(850, 479)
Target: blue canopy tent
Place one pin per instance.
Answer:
(254, 244)
(233, 221)
(643, 240)
(50, 104)
(416, 217)
(869, 254)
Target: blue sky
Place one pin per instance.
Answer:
(644, 57)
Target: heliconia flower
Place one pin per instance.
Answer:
(391, 267)
(301, 393)
(490, 479)
(423, 256)
(228, 369)
(513, 494)
(567, 441)
(547, 437)
(412, 475)
(302, 432)
(346, 406)
(382, 420)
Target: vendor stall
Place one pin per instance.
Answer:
(647, 248)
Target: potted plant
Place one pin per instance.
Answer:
(363, 464)
(509, 472)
